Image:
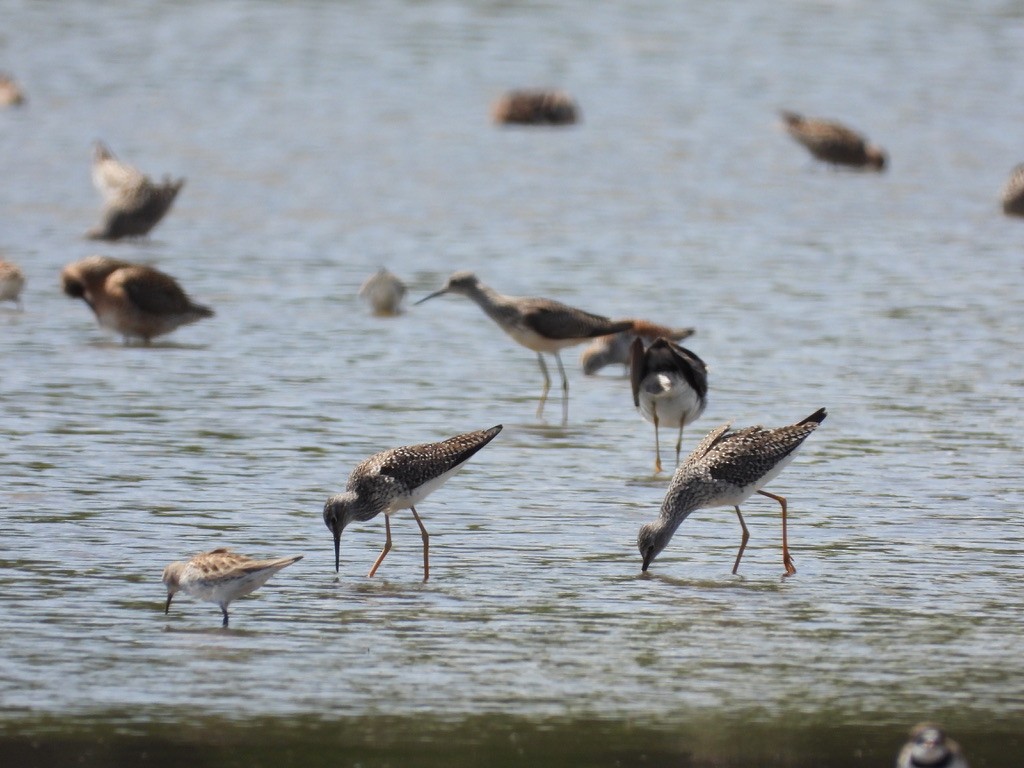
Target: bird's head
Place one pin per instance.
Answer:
(172, 580)
(651, 540)
(876, 157)
(463, 283)
(338, 513)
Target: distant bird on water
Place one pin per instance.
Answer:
(1013, 193)
(131, 299)
(220, 576)
(12, 280)
(929, 747)
(11, 94)
(670, 386)
(614, 348)
(535, 107)
(132, 203)
(396, 479)
(541, 325)
(834, 143)
(724, 470)
(384, 292)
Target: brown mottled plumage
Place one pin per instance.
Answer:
(220, 576)
(535, 107)
(1013, 192)
(132, 203)
(834, 143)
(614, 348)
(12, 280)
(132, 299)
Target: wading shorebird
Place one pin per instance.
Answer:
(131, 299)
(1013, 193)
(396, 479)
(384, 292)
(614, 348)
(723, 471)
(670, 386)
(929, 747)
(132, 203)
(535, 107)
(541, 325)
(12, 280)
(834, 143)
(220, 576)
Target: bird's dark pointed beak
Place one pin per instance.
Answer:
(435, 294)
(167, 608)
(337, 548)
(647, 560)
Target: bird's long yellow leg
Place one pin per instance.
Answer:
(426, 545)
(547, 384)
(787, 561)
(565, 389)
(657, 440)
(743, 544)
(679, 442)
(387, 547)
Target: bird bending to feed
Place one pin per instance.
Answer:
(834, 143)
(12, 280)
(541, 325)
(132, 203)
(929, 747)
(131, 299)
(220, 576)
(11, 94)
(384, 292)
(670, 386)
(535, 107)
(614, 348)
(396, 479)
(1013, 192)
(724, 470)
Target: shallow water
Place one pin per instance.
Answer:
(322, 140)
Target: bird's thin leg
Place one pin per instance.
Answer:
(679, 442)
(743, 544)
(387, 547)
(657, 440)
(426, 544)
(565, 390)
(224, 610)
(787, 561)
(547, 384)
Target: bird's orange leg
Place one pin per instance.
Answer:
(547, 384)
(387, 547)
(743, 544)
(657, 440)
(426, 545)
(787, 561)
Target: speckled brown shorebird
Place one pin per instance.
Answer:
(12, 280)
(929, 747)
(535, 107)
(220, 576)
(724, 470)
(670, 386)
(384, 292)
(134, 300)
(11, 94)
(541, 325)
(1013, 192)
(614, 348)
(396, 479)
(132, 203)
(834, 143)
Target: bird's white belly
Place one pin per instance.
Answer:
(668, 395)
(733, 496)
(420, 492)
(538, 343)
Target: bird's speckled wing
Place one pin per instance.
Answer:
(554, 320)
(743, 457)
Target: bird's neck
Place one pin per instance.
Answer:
(497, 306)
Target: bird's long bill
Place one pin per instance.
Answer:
(167, 608)
(337, 549)
(435, 294)
(647, 561)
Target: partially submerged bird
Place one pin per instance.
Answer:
(384, 292)
(220, 576)
(929, 747)
(541, 106)
(670, 386)
(396, 479)
(12, 280)
(11, 94)
(541, 325)
(723, 471)
(132, 203)
(1013, 193)
(614, 348)
(134, 300)
(834, 143)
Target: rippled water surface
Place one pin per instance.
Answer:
(324, 139)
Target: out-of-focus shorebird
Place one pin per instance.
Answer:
(1013, 192)
(12, 280)
(724, 470)
(11, 94)
(834, 143)
(541, 325)
(670, 386)
(220, 576)
(614, 348)
(929, 747)
(384, 292)
(132, 203)
(396, 479)
(540, 106)
(131, 299)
